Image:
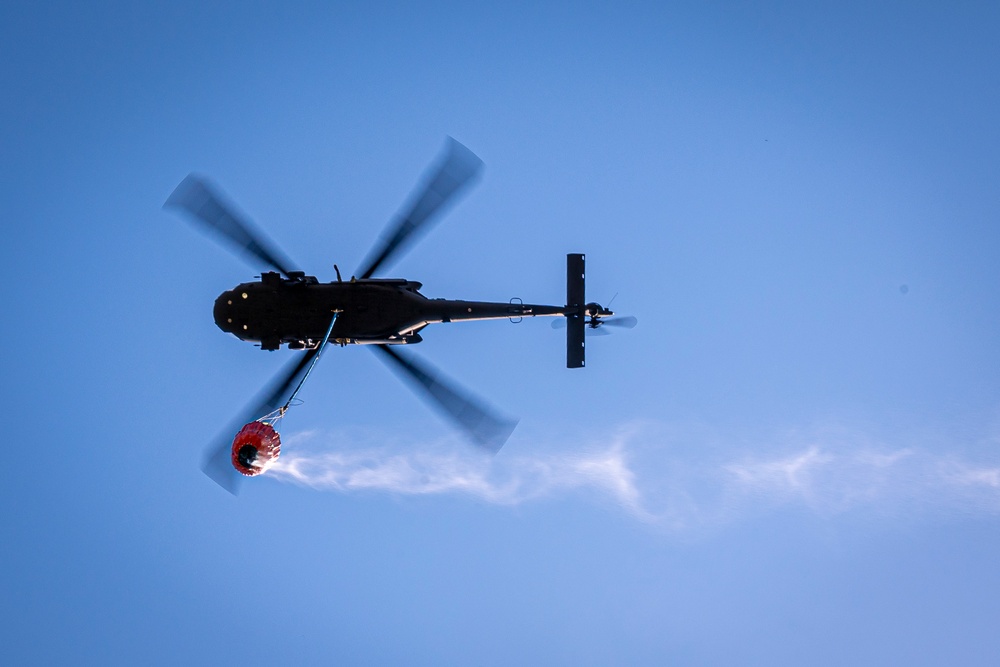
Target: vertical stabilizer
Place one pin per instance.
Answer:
(575, 310)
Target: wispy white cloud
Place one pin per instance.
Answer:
(660, 475)
(890, 481)
(976, 477)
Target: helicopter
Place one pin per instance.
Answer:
(286, 307)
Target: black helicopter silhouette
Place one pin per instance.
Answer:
(288, 307)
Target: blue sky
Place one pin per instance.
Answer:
(792, 460)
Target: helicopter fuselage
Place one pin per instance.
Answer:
(275, 311)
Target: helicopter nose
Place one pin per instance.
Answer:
(223, 311)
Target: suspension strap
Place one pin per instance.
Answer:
(322, 344)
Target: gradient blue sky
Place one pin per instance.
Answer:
(792, 460)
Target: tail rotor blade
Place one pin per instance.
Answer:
(458, 168)
(479, 421)
(625, 322)
(216, 459)
(199, 200)
(588, 330)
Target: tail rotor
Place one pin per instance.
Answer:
(582, 318)
(595, 325)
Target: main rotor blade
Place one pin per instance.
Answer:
(216, 459)
(458, 168)
(197, 198)
(483, 425)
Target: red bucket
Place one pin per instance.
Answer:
(255, 448)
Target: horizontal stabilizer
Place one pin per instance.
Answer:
(575, 310)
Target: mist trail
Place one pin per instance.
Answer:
(661, 475)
